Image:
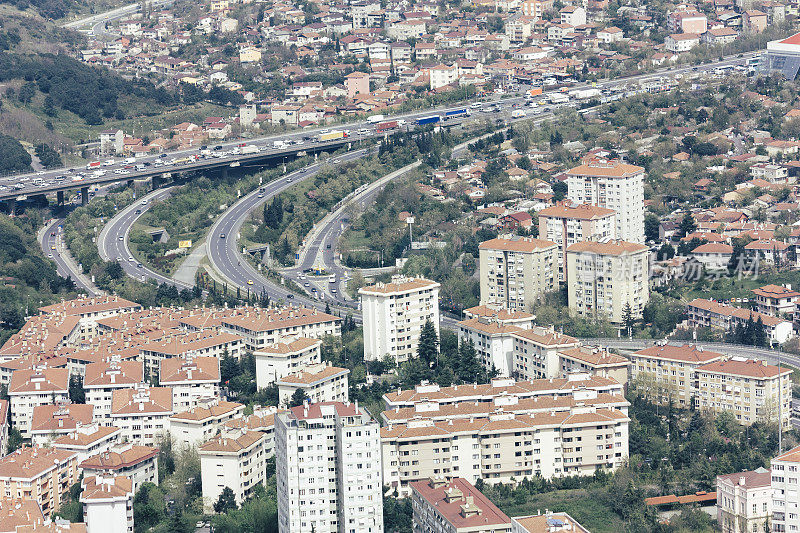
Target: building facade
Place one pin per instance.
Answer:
(394, 314)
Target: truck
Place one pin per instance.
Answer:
(331, 136)
(558, 98)
(518, 113)
(536, 91)
(433, 119)
(94, 164)
(388, 125)
(374, 119)
(585, 94)
(455, 113)
(250, 149)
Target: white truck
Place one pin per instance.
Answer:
(374, 119)
(585, 94)
(518, 113)
(250, 149)
(558, 98)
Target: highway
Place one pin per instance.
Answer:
(112, 243)
(224, 253)
(287, 145)
(52, 243)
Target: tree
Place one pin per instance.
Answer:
(559, 191)
(428, 346)
(226, 501)
(178, 523)
(76, 391)
(652, 227)
(627, 317)
(299, 397)
(469, 369)
(228, 366)
(688, 225)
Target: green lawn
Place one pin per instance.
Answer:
(578, 503)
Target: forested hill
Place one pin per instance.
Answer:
(91, 93)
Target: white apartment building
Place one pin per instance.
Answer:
(328, 458)
(753, 391)
(321, 383)
(90, 309)
(55, 420)
(198, 424)
(205, 343)
(506, 317)
(262, 327)
(102, 379)
(394, 314)
(503, 403)
(263, 421)
(233, 459)
(665, 372)
(515, 272)
(455, 506)
(744, 501)
(604, 278)
(593, 360)
(139, 463)
(712, 314)
(88, 440)
(613, 185)
(567, 223)
(107, 504)
(43, 475)
(192, 379)
(493, 342)
(32, 387)
(536, 352)
(504, 448)
(429, 393)
(784, 485)
(142, 413)
(289, 355)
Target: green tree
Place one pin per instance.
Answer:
(428, 346)
(469, 368)
(652, 227)
(688, 225)
(559, 191)
(228, 366)
(226, 501)
(298, 397)
(76, 392)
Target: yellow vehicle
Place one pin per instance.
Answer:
(249, 281)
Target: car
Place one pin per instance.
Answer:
(249, 281)
(328, 247)
(50, 256)
(289, 179)
(306, 284)
(53, 247)
(475, 105)
(302, 276)
(221, 235)
(122, 237)
(52, 233)
(138, 212)
(261, 195)
(144, 202)
(131, 259)
(290, 296)
(139, 265)
(333, 291)
(337, 161)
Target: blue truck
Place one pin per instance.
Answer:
(455, 113)
(433, 119)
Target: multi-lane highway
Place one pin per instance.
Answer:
(223, 249)
(53, 245)
(112, 243)
(284, 145)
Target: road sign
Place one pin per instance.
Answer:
(185, 244)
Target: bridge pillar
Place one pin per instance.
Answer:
(60, 197)
(12, 207)
(130, 183)
(84, 195)
(156, 182)
(349, 146)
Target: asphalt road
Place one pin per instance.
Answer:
(113, 240)
(53, 245)
(222, 242)
(44, 182)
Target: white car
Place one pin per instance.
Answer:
(475, 105)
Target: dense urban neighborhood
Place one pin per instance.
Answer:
(467, 266)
